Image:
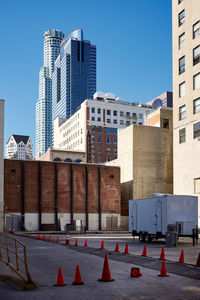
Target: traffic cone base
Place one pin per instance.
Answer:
(86, 243)
(78, 280)
(163, 272)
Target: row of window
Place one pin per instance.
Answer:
(196, 59)
(108, 150)
(115, 121)
(108, 139)
(196, 133)
(115, 113)
(196, 109)
(108, 129)
(196, 85)
(195, 27)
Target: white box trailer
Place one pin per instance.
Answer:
(149, 217)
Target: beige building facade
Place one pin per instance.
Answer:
(145, 156)
(1, 164)
(64, 156)
(186, 95)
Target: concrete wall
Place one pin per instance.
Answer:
(186, 154)
(1, 163)
(44, 191)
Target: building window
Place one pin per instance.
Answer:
(92, 129)
(108, 130)
(197, 185)
(108, 112)
(182, 65)
(121, 113)
(140, 116)
(115, 140)
(99, 139)
(93, 149)
(196, 29)
(165, 123)
(134, 115)
(196, 55)
(128, 114)
(182, 89)
(182, 136)
(93, 118)
(108, 150)
(182, 112)
(93, 110)
(179, 1)
(181, 18)
(115, 121)
(114, 130)
(93, 138)
(108, 121)
(196, 81)
(196, 106)
(115, 150)
(99, 149)
(181, 41)
(99, 119)
(108, 159)
(196, 129)
(108, 140)
(99, 129)
(121, 122)
(127, 122)
(99, 110)
(114, 112)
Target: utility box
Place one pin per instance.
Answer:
(154, 217)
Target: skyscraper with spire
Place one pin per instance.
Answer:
(52, 41)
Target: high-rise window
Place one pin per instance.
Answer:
(182, 65)
(182, 89)
(196, 105)
(108, 112)
(115, 121)
(121, 122)
(121, 113)
(181, 18)
(108, 140)
(179, 1)
(98, 119)
(99, 110)
(134, 115)
(108, 121)
(108, 150)
(99, 139)
(114, 112)
(182, 135)
(196, 29)
(196, 55)
(93, 110)
(99, 129)
(196, 130)
(182, 112)
(181, 41)
(196, 81)
(108, 130)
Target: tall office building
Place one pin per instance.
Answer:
(74, 77)
(52, 41)
(186, 96)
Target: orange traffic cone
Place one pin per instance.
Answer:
(10, 231)
(77, 280)
(135, 272)
(67, 241)
(162, 254)
(102, 245)
(86, 244)
(117, 247)
(144, 253)
(40, 236)
(181, 259)
(198, 261)
(76, 242)
(57, 241)
(106, 276)
(126, 249)
(60, 280)
(163, 272)
(49, 239)
(44, 237)
(13, 231)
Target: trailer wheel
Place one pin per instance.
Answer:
(141, 237)
(147, 237)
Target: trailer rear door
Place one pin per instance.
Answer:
(158, 216)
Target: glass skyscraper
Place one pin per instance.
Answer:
(52, 41)
(74, 75)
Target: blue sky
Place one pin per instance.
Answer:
(133, 39)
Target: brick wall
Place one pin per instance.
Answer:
(53, 187)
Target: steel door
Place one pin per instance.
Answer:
(159, 217)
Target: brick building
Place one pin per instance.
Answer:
(42, 193)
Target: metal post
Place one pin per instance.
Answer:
(71, 193)
(16, 251)
(56, 195)
(99, 195)
(8, 257)
(22, 195)
(86, 197)
(39, 194)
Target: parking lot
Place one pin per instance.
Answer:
(44, 259)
